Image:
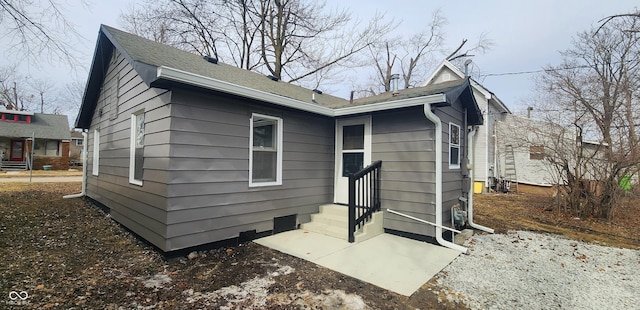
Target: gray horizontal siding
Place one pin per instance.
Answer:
(451, 178)
(209, 198)
(403, 140)
(140, 208)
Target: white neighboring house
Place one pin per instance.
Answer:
(493, 110)
(529, 139)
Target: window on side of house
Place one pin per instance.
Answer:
(96, 152)
(265, 150)
(454, 146)
(536, 152)
(136, 155)
(52, 148)
(79, 142)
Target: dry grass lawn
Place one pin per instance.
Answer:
(68, 254)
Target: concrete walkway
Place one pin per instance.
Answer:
(42, 179)
(394, 263)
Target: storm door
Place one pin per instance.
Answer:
(353, 152)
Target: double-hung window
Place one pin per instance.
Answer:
(136, 152)
(265, 150)
(454, 146)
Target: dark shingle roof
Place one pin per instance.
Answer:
(402, 94)
(147, 56)
(45, 126)
(157, 54)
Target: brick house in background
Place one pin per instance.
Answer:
(51, 134)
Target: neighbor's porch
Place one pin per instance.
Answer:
(16, 153)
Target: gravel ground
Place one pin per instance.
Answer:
(526, 270)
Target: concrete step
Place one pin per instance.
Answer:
(13, 165)
(325, 229)
(334, 209)
(331, 219)
(371, 229)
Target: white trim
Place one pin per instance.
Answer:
(95, 169)
(279, 151)
(17, 112)
(455, 166)
(389, 105)
(366, 120)
(132, 149)
(211, 83)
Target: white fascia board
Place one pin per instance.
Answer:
(487, 95)
(389, 105)
(181, 76)
(3, 110)
(210, 83)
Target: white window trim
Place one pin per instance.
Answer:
(96, 152)
(132, 150)
(454, 166)
(279, 151)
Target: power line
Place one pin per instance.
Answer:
(534, 71)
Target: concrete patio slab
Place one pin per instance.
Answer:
(394, 263)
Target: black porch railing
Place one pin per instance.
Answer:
(364, 197)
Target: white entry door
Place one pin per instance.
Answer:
(353, 152)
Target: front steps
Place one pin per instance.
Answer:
(333, 220)
(13, 165)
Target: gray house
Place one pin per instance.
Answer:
(185, 151)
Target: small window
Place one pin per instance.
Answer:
(79, 142)
(536, 152)
(52, 148)
(265, 151)
(136, 154)
(96, 152)
(454, 146)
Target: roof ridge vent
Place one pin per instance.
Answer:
(210, 59)
(273, 78)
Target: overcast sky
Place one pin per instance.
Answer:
(526, 34)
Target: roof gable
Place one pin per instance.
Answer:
(446, 67)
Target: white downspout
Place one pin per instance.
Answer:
(472, 133)
(84, 169)
(438, 133)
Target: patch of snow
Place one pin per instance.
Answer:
(157, 281)
(251, 294)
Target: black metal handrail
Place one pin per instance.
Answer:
(364, 196)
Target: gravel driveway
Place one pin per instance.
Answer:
(526, 270)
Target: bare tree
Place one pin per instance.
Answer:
(293, 40)
(42, 89)
(414, 56)
(607, 19)
(410, 54)
(36, 28)
(592, 94)
(25, 93)
(13, 93)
